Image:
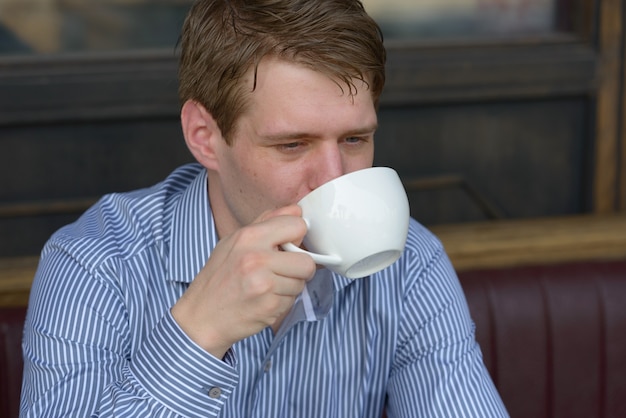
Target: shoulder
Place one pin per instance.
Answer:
(122, 224)
(421, 241)
(424, 260)
(422, 246)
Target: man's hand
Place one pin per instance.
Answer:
(247, 284)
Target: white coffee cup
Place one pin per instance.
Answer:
(357, 223)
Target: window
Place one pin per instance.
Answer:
(436, 19)
(58, 26)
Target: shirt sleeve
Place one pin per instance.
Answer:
(79, 359)
(438, 369)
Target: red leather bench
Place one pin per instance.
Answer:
(11, 324)
(553, 338)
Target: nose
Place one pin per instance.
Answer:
(327, 166)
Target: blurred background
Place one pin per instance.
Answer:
(493, 109)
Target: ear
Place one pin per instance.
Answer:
(201, 133)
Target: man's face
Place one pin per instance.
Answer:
(299, 131)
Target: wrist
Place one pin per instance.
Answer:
(201, 333)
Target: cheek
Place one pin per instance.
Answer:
(261, 188)
(283, 187)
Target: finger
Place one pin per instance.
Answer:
(288, 286)
(293, 265)
(276, 230)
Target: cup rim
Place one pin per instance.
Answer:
(345, 176)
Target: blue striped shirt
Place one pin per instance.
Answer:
(100, 340)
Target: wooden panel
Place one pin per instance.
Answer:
(608, 101)
(27, 235)
(534, 241)
(127, 85)
(44, 89)
(621, 183)
(16, 277)
(538, 68)
(527, 157)
(470, 246)
(57, 161)
(81, 126)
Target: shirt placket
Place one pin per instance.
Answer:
(312, 305)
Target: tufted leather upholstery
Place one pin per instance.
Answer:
(11, 324)
(553, 338)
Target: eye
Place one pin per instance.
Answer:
(356, 140)
(291, 146)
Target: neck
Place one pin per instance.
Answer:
(224, 223)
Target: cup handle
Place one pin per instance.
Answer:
(323, 259)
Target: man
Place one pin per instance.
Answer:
(177, 301)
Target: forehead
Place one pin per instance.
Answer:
(274, 77)
(287, 93)
(270, 64)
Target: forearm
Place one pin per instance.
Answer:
(179, 374)
(445, 384)
(438, 369)
(164, 378)
(85, 355)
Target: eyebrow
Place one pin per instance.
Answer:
(283, 136)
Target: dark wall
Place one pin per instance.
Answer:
(476, 132)
(525, 158)
(46, 165)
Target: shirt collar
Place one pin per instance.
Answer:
(193, 233)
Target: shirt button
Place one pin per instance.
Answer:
(215, 392)
(268, 366)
